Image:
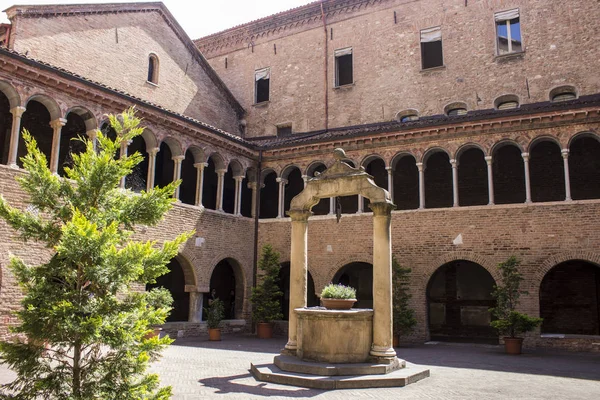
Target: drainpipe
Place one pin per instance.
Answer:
(326, 68)
(256, 215)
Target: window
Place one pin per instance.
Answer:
(408, 118)
(262, 78)
(343, 67)
(457, 111)
(508, 32)
(506, 102)
(563, 93)
(431, 48)
(507, 105)
(284, 130)
(153, 69)
(407, 115)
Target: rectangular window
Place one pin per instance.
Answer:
(343, 67)
(431, 48)
(261, 85)
(508, 32)
(284, 130)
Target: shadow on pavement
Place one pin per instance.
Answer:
(226, 385)
(236, 343)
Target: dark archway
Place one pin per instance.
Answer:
(349, 204)
(284, 285)
(293, 187)
(358, 275)
(69, 141)
(189, 177)
(209, 189)
(438, 181)
(174, 282)
(584, 168)
(110, 133)
(472, 178)
(226, 279)
(508, 174)
(229, 191)
(322, 208)
(165, 166)
(376, 168)
(269, 196)
(5, 127)
(570, 299)
(547, 172)
(458, 302)
(36, 119)
(138, 179)
(406, 183)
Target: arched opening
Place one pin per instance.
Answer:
(174, 282)
(246, 206)
(349, 204)
(209, 189)
(547, 172)
(570, 299)
(458, 301)
(269, 196)
(284, 285)
(69, 141)
(406, 183)
(137, 180)
(5, 127)
(472, 178)
(189, 175)
(376, 168)
(153, 68)
(229, 191)
(36, 119)
(295, 184)
(438, 181)
(228, 284)
(584, 168)
(164, 166)
(358, 275)
(508, 174)
(322, 208)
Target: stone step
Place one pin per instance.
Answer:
(402, 377)
(293, 364)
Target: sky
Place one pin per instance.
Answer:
(197, 17)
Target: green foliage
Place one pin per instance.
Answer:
(84, 323)
(507, 320)
(403, 315)
(266, 297)
(338, 291)
(215, 313)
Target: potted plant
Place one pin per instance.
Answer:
(338, 297)
(403, 316)
(214, 315)
(508, 321)
(265, 298)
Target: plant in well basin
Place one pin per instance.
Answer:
(214, 315)
(508, 321)
(403, 315)
(266, 297)
(336, 296)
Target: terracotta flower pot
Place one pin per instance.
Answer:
(214, 334)
(155, 333)
(338, 304)
(264, 330)
(513, 345)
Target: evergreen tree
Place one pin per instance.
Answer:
(84, 322)
(403, 315)
(266, 303)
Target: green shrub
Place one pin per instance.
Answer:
(215, 313)
(266, 297)
(404, 316)
(338, 291)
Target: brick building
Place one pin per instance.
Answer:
(480, 117)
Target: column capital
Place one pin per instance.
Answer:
(178, 159)
(420, 166)
(252, 185)
(381, 209)
(58, 123)
(488, 159)
(200, 165)
(154, 151)
(565, 153)
(17, 111)
(453, 162)
(238, 178)
(92, 133)
(305, 178)
(389, 169)
(299, 215)
(525, 156)
(221, 172)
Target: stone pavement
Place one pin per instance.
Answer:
(199, 369)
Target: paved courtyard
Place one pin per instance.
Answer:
(199, 369)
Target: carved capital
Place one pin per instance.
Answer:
(201, 165)
(565, 153)
(525, 156)
(58, 123)
(221, 172)
(420, 166)
(18, 111)
(488, 159)
(381, 209)
(178, 159)
(299, 215)
(154, 151)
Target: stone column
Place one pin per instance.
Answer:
(151, 167)
(195, 313)
(331, 205)
(220, 184)
(253, 186)
(238, 195)
(421, 168)
(298, 272)
(390, 187)
(527, 180)
(361, 205)
(565, 156)
(177, 160)
(454, 164)
(304, 180)
(490, 176)
(280, 203)
(15, 132)
(92, 135)
(123, 154)
(199, 182)
(382, 281)
(56, 125)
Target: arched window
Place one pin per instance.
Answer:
(153, 68)
(563, 93)
(456, 108)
